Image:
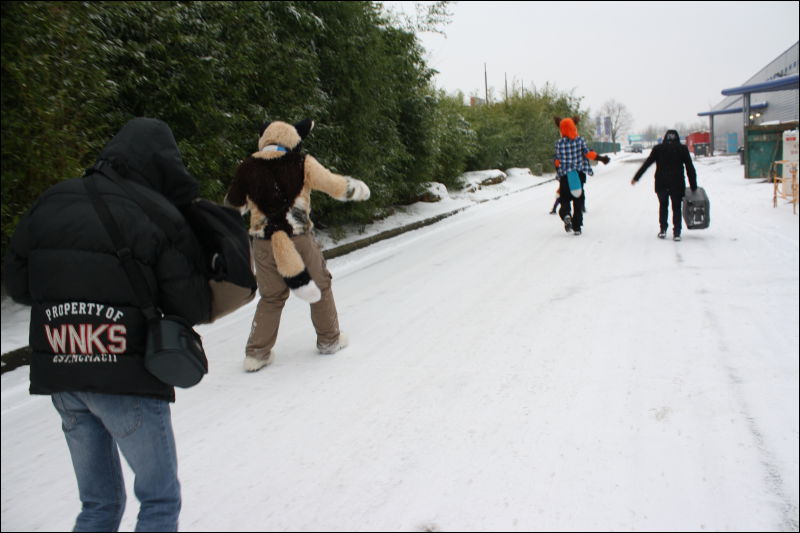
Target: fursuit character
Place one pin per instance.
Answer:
(274, 185)
(572, 164)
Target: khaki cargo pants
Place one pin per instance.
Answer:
(273, 293)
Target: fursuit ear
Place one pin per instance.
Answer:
(264, 127)
(557, 120)
(576, 120)
(304, 127)
(292, 268)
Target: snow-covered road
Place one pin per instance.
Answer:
(502, 375)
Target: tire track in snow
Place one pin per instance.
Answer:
(773, 480)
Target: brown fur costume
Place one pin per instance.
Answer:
(275, 185)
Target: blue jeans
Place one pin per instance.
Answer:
(95, 425)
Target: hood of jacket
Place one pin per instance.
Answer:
(671, 137)
(145, 151)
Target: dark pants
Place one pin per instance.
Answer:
(571, 205)
(664, 197)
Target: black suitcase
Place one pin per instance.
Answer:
(696, 209)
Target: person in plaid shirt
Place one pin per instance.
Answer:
(572, 153)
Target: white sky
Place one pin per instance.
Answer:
(666, 61)
(502, 375)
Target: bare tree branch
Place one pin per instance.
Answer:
(621, 119)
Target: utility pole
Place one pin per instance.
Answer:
(485, 84)
(506, 75)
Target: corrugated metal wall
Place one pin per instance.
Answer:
(783, 105)
(725, 125)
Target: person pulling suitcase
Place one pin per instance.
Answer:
(670, 158)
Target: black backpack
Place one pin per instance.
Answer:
(223, 237)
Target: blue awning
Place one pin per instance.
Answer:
(785, 83)
(732, 110)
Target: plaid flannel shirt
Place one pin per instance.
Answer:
(572, 154)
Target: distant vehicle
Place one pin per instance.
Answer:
(637, 148)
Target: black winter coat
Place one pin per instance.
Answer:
(670, 158)
(87, 332)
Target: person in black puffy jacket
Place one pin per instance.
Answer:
(87, 333)
(670, 158)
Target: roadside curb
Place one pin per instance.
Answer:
(16, 358)
(344, 249)
(21, 356)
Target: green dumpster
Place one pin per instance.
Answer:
(763, 145)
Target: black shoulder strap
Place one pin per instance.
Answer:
(153, 212)
(138, 283)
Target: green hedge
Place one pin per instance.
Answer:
(520, 132)
(74, 72)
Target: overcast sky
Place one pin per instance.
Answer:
(666, 61)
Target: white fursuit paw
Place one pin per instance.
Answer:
(254, 364)
(357, 190)
(340, 344)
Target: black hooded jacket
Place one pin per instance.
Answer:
(670, 157)
(87, 332)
